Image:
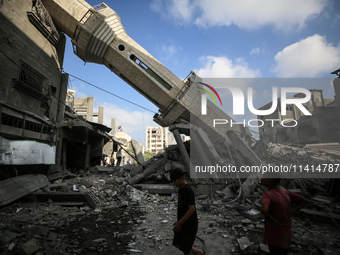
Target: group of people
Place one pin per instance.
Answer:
(278, 205)
(112, 159)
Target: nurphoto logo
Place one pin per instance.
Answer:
(239, 98)
(204, 97)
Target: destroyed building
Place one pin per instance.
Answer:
(99, 37)
(323, 126)
(85, 107)
(33, 88)
(39, 133)
(119, 211)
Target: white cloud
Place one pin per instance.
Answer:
(223, 67)
(168, 51)
(255, 51)
(178, 10)
(309, 57)
(248, 14)
(133, 123)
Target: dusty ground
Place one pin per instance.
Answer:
(134, 222)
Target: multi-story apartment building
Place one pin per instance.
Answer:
(156, 138)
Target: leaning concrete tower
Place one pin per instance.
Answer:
(98, 36)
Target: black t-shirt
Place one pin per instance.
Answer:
(186, 197)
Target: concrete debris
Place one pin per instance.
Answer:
(29, 247)
(138, 151)
(132, 220)
(280, 153)
(131, 209)
(244, 244)
(14, 188)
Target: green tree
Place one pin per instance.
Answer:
(147, 155)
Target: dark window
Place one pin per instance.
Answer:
(16, 122)
(121, 47)
(151, 72)
(100, 6)
(289, 108)
(32, 78)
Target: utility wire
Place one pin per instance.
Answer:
(111, 93)
(75, 78)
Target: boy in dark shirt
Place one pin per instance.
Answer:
(185, 229)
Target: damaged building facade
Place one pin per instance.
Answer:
(120, 211)
(38, 132)
(33, 88)
(323, 126)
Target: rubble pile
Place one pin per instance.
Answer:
(286, 154)
(156, 170)
(128, 221)
(131, 209)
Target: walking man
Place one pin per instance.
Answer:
(185, 229)
(119, 156)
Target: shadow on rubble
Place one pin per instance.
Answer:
(98, 211)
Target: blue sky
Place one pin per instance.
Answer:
(216, 39)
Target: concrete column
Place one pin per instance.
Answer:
(182, 149)
(244, 148)
(90, 103)
(87, 156)
(100, 115)
(59, 149)
(113, 125)
(62, 97)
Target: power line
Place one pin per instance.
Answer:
(53, 68)
(111, 93)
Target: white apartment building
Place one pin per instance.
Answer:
(156, 139)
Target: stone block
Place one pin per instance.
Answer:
(30, 247)
(244, 244)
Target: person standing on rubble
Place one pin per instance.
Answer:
(119, 156)
(112, 161)
(185, 229)
(278, 205)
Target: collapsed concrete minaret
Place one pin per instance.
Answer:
(98, 36)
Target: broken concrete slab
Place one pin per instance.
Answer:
(178, 164)
(14, 188)
(104, 169)
(29, 247)
(156, 188)
(137, 169)
(246, 151)
(148, 171)
(244, 244)
(323, 216)
(58, 196)
(138, 150)
(93, 201)
(322, 199)
(264, 248)
(181, 146)
(228, 192)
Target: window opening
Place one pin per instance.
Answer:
(150, 72)
(31, 77)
